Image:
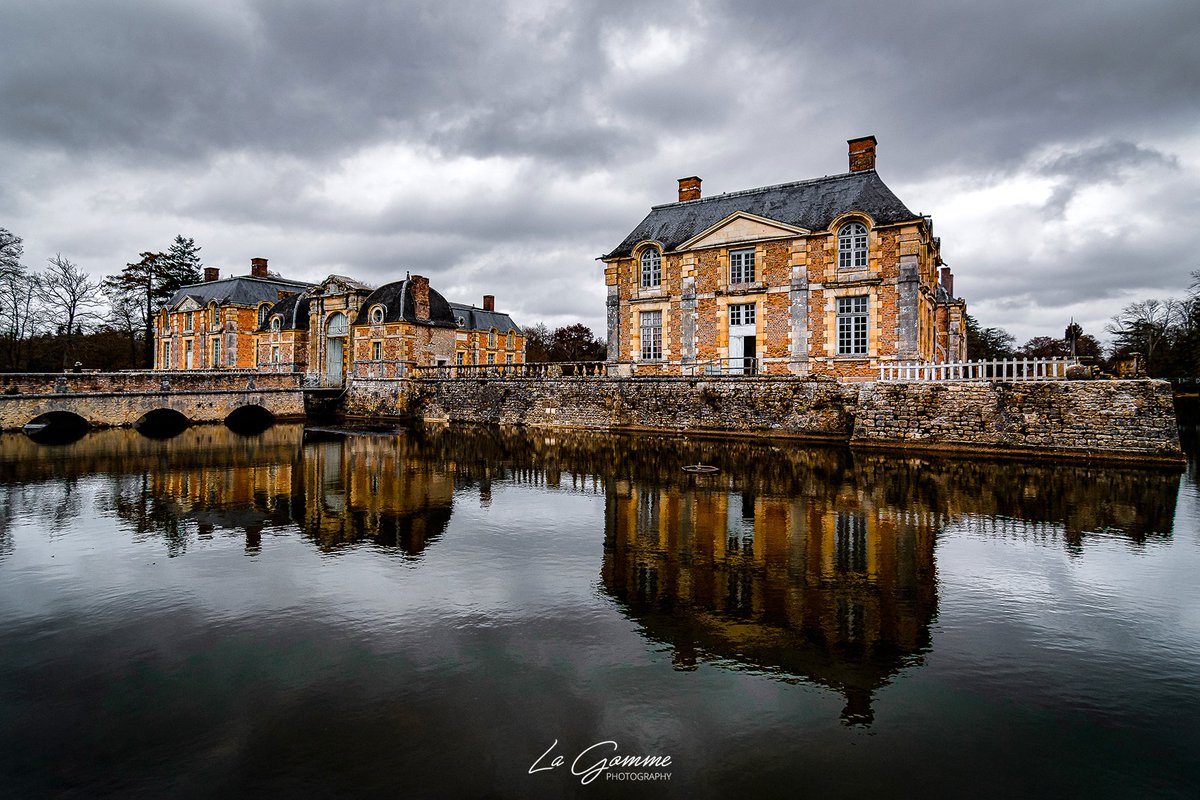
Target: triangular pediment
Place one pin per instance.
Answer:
(742, 227)
(188, 303)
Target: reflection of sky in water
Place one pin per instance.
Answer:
(308, 665)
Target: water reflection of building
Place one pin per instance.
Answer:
(817, 589)
(339, 490)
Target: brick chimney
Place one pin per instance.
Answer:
(489, 302)
(862, 153)
(419, 287)
(947, 280)
(689, 189)
(211, 274)
(258, 267)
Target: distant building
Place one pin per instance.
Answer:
(214, 324)
(486, 336)
(831, 276)
(343, 327)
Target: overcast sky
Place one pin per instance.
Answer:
(501, 148)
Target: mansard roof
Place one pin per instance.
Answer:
(399, 306)
(242, 290)
(811, 204)
(293, 309)
(476, 319)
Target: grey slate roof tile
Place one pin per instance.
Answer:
(243, 290)
(476, 319)
(810, 204)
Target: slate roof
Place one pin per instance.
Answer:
(242, 290)
(476, 319)
(810, 204)
(293, 309)
(399, 306)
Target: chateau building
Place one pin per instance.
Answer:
(343, 327)
(214, 324)
(831, 276)
(486, 336)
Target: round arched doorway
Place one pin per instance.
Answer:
(337, 331)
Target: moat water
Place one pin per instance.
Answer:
(477, 613)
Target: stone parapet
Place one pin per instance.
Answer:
(1102, 419)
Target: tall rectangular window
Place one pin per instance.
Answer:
(377, 351)
(216, 362)
(652, 349)
(651, 268)
(741, 266)
(742, 314)
(852, 326)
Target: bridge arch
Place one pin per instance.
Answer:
(162, 423)
(249, 419)
(56, 427)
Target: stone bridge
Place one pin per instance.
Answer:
(104, 399)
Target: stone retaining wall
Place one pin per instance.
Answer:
(1135, 417)
(1106, 419)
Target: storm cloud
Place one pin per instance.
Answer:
(501, 147)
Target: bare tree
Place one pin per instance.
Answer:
(125, 315)
(72, 298)
(19, 293)
(1144, 327)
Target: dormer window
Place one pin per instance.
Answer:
(852, 246)
(741, 266)
(377, 315)
(651, 268)
(213, 318)
(462, 323)
(276, 322)
(492, 338)
(262, 313)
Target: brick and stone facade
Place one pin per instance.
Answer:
(342, 327)
(214, 324)
(832, 276)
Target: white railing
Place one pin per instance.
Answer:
(739, 366)
(1003, 369)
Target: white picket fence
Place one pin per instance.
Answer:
(1006, 369)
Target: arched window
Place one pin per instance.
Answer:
(262, 313)
(852, 246)
(212, 315)
(492, 338)
(276, 322)
(511, 341)
(651, 268)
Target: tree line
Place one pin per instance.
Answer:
(1165, 332)
(53, 318)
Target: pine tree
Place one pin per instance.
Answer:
(182, 265)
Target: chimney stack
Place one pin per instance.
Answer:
(258, 267)
(947, 280)
(489, 302)
(862, 153)
(419, 287)
(689, 189)
(211, 274)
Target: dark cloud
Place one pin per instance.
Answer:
(478, 141)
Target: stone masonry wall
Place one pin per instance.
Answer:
(1114, 419)
(781, 406)
(1135, 418)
